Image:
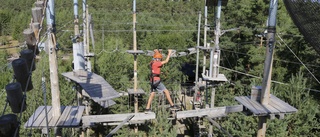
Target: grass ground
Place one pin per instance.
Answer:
(11, 46)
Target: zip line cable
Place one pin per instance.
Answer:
(298, 58)
(241, 53)
(277, 82)
(143, 13)
(43, 87)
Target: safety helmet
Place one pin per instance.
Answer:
(157, 55)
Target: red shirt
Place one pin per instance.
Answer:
(156, 69)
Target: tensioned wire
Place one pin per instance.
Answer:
(298, 58)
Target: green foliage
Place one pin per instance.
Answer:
(173, 25)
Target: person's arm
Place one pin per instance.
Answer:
(168, 57)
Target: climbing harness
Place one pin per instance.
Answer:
(152, 75)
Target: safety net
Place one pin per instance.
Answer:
(306, 16)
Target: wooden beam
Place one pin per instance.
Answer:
(252, 105)
(138, 91)
(131, 122)
(135, 52)
(89, 120)
(119, 126)
(220, 78)
(211, 112)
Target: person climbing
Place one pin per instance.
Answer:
(156, 83)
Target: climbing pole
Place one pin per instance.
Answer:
(261, 103)
(135, 91)
(266, 81)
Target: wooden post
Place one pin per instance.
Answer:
(266, 81)
(135, 64)
(54, 80)
(30, 37)
(76, 18)
(36, 14)
(36, 28)
(39, 4)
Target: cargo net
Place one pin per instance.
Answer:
(306, 16)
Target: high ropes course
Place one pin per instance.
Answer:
(91, 86)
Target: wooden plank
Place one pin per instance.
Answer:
(53, 120)
(262, 110)
(135, 51)
(220, 77)
(211, 112)
(41, 117)
(64, 116)
(107, 103)
(95, 87)
(34, 117)
(139, 91)
(77, 120)
(279, 105)
(106, 98)
(72, 116)
(292, 109)
(279, 108)
(244, 102)
(98, 90)
(272, 109)
(131, 122)
(89, 120)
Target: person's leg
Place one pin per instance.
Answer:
(150, 100)
(167, 93)
(162, 88)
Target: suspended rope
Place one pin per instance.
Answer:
(5, 107)
(261, 78)
(43, 85)
(286, 61)
(298, 58)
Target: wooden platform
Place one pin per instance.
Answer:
(115, 118)
(106, 103)
(95, 87)
(70, 117)
(205, 48)
(220, 77)
(138, 91)
(135, 51)
(276, 106)
(210, 112)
